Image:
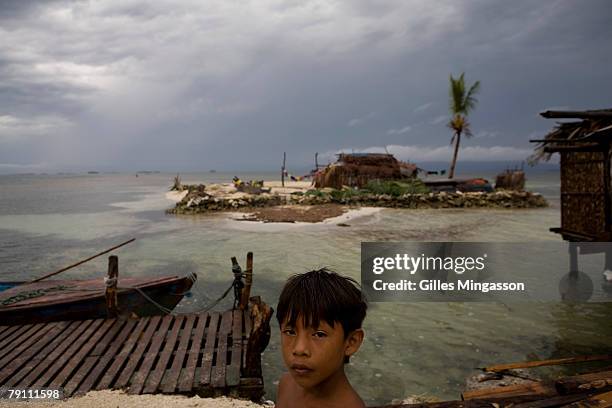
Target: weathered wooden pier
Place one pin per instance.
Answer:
(207, 354)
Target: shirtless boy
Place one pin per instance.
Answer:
(320, 315)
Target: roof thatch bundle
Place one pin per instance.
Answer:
(594, 125)
(356, 170)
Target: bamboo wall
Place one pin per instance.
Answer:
(583, 193)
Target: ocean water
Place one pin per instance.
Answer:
(50, 221)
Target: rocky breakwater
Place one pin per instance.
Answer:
(201, 200)
(214, 199)
(497, 199)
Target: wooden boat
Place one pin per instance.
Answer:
(53, 300)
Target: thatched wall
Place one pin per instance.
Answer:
(583, 192)
(356, 170)
(511, 180)
(584, 147)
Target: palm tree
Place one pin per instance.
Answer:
(461, 104)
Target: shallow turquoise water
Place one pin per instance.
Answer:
(47, 222)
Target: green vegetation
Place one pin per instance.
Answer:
(396, 188)
(387, 187)
(315, 192)
(462, 102)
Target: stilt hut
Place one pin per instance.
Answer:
(585, 147)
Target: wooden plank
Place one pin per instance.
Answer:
(536, 389)
(103, 344)
(188, 373)
(9, 343)
(92, 338)
(33, 351)
(106, 358)
(209, 350)
(77, 378)
(59, 363)
(552, 402)
(134, 341)
(219, 370)
(233, 370)
(584, 382)
(169, 383)
(138, 380)
(158, 372)
(540, 363)
(7, 331)
(41, 355)
(247, 323)
(55, 354)
(27, 342)
(247, 331)
(600, 401)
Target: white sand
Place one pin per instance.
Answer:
(176, 196)
(114, 399)
(350, 215)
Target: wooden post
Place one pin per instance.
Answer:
(283, 169)
(248, 282)
(606, 185)
(260, 315)
(573, 259)
(111, 286)
(317, 161)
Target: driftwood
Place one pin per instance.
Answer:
(517, 392)
(600, 400)
(540, 363)
(260, 314)
(579, 391)
(560, 401)
(585, 382)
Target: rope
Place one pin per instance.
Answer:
(170, 311)
(193, 278)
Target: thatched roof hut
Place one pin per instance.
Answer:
(357, 169)
(585, 149)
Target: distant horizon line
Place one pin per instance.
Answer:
(427, 165)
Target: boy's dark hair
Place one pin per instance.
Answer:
(322, 295)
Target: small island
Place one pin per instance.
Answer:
(355, 181)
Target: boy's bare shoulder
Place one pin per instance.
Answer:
(283, 395)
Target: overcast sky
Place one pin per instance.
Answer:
(196, 85)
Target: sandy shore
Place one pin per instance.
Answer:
(176, 196)
(113, 399)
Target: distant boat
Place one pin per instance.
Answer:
(213, 170)
(93, 172)
(53, 300)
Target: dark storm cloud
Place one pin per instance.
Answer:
(189, 86)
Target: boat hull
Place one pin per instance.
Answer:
(86, 301)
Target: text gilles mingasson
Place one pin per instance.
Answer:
(458, 265)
